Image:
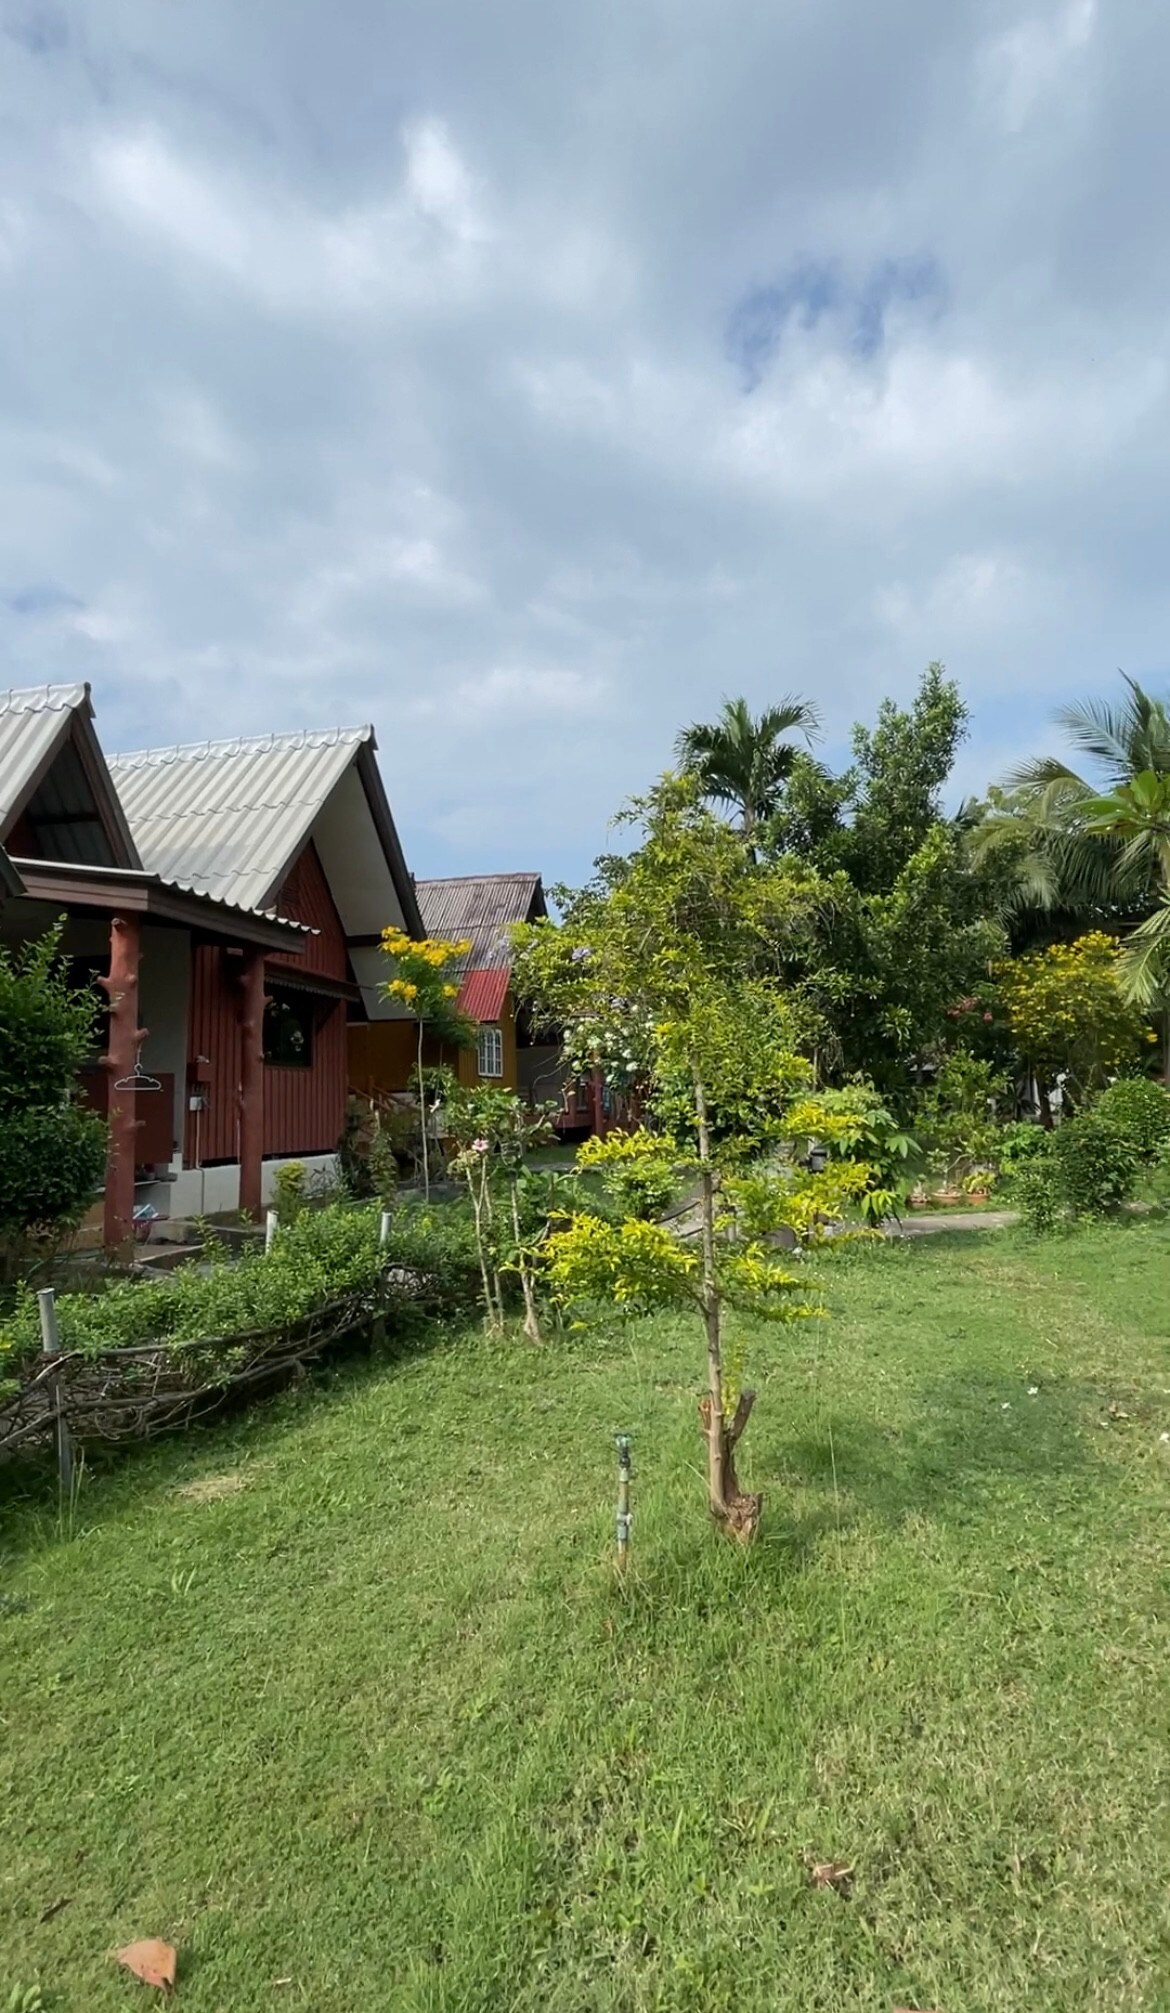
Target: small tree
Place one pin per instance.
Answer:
(423, 981)
(52, 1151)
(493, 1131)
(1066, 1011)
(679, 950)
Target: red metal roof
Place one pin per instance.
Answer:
(482, 994)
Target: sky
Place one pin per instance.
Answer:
(526, 378)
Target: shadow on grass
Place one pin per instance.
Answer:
(112, 1478)
(979, 1444)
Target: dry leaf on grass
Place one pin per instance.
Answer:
(54, 1908)
(832, 1873)
(152, 1960)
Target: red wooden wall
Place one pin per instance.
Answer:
(305, 898)
(213, 1031)
(304, 1109)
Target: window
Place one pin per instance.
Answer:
(288, 1030)
(491, 1052)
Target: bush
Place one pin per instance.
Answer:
(428, 1263)
(290, 1186)
(1038, 1194)
(52, 1152)
(1096, 1166)
(1019, 1144)
(1139, 1110)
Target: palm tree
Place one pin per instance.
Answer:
(1066, 860)
(1096, 848)
(744, 762)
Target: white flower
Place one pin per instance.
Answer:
(1033, 1390)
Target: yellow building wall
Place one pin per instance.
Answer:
(383, 1053)
(467, 1060)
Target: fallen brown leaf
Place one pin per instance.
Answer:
(832, 1873)
(152, 1960)
(54, 1908)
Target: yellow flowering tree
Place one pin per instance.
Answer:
(1066, 1010)
(425, 981)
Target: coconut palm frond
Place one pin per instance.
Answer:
(1145, 960)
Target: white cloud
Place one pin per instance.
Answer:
(390, 377)
(1034, 58)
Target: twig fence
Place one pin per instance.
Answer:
(133, 1393)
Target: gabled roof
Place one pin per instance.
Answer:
(231, 818)
(481, 907)
(52, 768)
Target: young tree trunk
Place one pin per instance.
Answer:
(531, 1320)
(711, 1311)
(737, 1511)
(422, 1105)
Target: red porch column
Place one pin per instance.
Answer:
(126, 1038)
(251, 1081)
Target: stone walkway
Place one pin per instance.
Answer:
(922, 1224)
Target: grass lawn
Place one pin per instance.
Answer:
(343, 1697)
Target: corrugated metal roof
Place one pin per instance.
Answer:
(32, 723)
(482, 907)
(482, 994)
(229, 817)
(52, 770)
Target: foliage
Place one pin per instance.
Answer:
(1038, 1194)
(322, 1256)
(1139, 1110)
(852, 1124)
(1066, 1011)
(423, 981)
(1070, 866)
(686, 942)
(1096, 1165)
(641, 1169)
(290, 1185)
(742, 762)
(956, 1123)
(493, 1130)
(913, 923)
(634, 1266)
(52, 1152)
(1020, 1143)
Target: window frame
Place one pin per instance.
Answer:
(493, 1037)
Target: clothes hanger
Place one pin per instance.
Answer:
(138, 1078)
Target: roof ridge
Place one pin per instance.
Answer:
(242, 744)
(48, 698)
(453, 880)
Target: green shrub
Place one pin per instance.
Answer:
(52, 1152)
(1139, 1110)
(1017, 1145)
(1037, 1192)
(1096, 1166)
(428, 1263)
(290, 1187)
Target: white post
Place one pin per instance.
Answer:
(384, 1227)
(51, 1346)
(270, 1221)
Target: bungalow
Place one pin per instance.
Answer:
(479, 909)
(228, 897)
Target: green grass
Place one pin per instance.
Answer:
(344, 1699)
